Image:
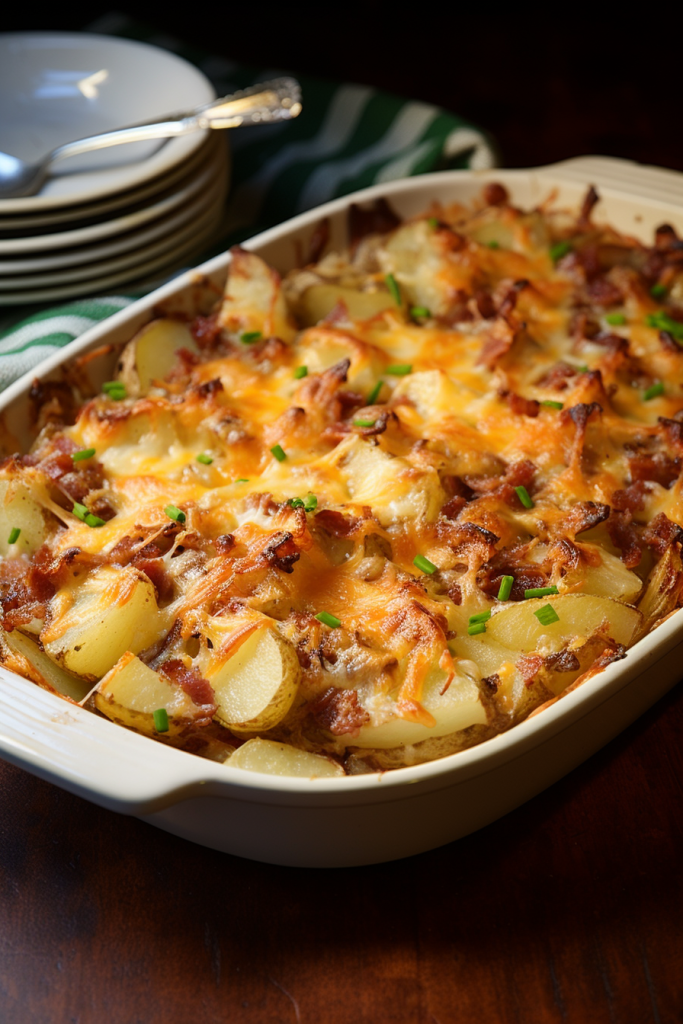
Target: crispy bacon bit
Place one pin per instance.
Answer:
(523, 406)
(661, 534)
(509, 300)
(630, 499)
(665, 238)
(339, 712)
(336, 523)
(624, 535)
(485, 304)
(224, 544)
(583, 326)
(529, 665)
(195, 685)
(156, 573)
(603, 292)
(497, 343)
(318, 241)
(205, 331)
(453, 507)
(51, 402)
(582, 516)
(660, 468)
(589, 201)
(491, 683)
(669, 343)
(673, 429)
(558, 377)
(209, 388)
(281, 552)
(526, 576)
(376, 219)
(495, 194)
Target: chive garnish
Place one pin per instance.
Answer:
(14, 535)
(115, 390)
(433, 222)
(364, 423)
(249, 337)
(663, 322)
(559, 250)
(550, 404)
(175, 513)
(424, 564)
(160, 717)
(480, 617)
(547, 615)
(524, 497)
(242, 480)
(278, 451)
(328, 620)
(374, 394)
(85, 453)
(475, 628)
(308, 503)
(400, 369)
(539, 592)
(206, 460)
(80, 511)
(493, 244)
(583, 368)
(658, 291)
(615, 319)
(419, 311)
(653, 392)
(393, 286)
(505, 589)
(300, 371)
(91, 520)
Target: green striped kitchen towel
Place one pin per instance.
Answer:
(348, 137)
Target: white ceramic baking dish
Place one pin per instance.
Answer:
(369, 818)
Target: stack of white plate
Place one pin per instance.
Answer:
(126, 216)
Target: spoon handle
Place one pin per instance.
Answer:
(264, 103)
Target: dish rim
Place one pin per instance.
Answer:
(179, 775)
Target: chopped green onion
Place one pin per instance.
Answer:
(434, 222)
(663, 322)
(85, 453)
(279, 452)
(480, 617)
(308, 503)
(91, 520)
(300, 371)
(374, 394)
(506, 585)
(424, 564)
(364, 423)
(394, 289)
(175, 513)
(550, 404)
(524, 497)
(242, 480)
(206, 460)
(249, 337)
(547, 615)
(583, 368)
(115, 390)
(14, 535)
(328, 620)
(160, 717)
(400, 369)
(615, 319)
(477, 627)
(559, 250)
(539, 592)
(493, 244)
(80, 511)
(653, 392)
(419, 311)
(658, 291)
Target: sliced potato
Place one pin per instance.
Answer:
(459, 707)
(320, 299)
(256, 686)
(254, 300)
(483, 651)
(272, 758)
(131, 692)
(389, 484)
(151, 354)
(92, 625)
(580, 615)
(19, 509)
(662, 591)
(609, 578)
(21, 653)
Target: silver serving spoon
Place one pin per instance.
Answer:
(264, 103)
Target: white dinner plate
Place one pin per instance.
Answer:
(57, 87)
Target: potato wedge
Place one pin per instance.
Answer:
(663, 590)
(320, 299)
(609, 578)
(256, 686)
(131, 692)
(518, 628)
(20, 653)
(20, 510)
(114, 611)
(272, 758)
(151, 354)
(254, 300)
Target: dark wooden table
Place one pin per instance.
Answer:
(570, 909)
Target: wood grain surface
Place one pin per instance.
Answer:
(568, 910)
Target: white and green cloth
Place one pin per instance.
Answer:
(348, 137)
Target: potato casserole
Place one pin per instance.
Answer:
(369, 514)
